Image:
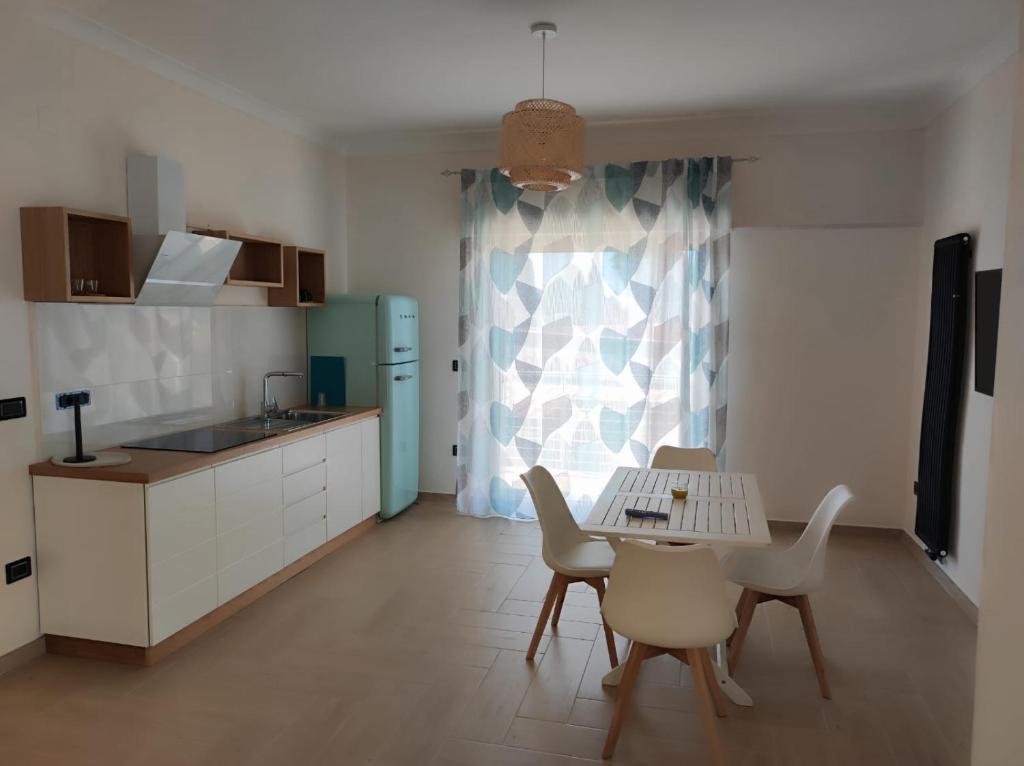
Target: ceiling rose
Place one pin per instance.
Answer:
(542, 139)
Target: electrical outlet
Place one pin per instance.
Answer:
(69, 399)
(18, 570)
(455, 365)
(455, 450)
(12, 408)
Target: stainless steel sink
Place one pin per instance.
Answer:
(308, 416)
(257, 423)
(281, 422)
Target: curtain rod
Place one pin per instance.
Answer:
(751, 158)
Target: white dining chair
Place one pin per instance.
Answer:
(572, 555)
(669, 601)
(684, 459)
(788, 576)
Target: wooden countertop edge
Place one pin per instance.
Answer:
(152, 466)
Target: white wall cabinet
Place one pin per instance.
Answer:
(133, 564)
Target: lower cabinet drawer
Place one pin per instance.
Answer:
(249, 571)
(247, 540)
(305, 512)
(169, 616)
(298, 544)
(308, 482)
(182, 571)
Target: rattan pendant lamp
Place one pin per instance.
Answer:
(542, 139)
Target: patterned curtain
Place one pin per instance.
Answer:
(593, 327)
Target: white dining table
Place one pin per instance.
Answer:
(723, 509)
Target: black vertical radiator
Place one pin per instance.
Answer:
(943, 391)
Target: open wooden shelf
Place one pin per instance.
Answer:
(304, 271)
(60, 244)
(259, 263)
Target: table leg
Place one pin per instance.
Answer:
(729, 687)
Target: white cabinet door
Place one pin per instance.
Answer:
(250, 522)
(344, 479)
(370, 431)
(181, 535)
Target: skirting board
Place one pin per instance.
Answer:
(21, 655)
(142, 655)
(945, 582)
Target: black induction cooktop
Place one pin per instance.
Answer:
(199, 440)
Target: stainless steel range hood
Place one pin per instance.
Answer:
(171, 266)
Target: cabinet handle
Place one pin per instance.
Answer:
(402, 349)
(403, 377)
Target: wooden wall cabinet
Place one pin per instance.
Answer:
(259, 263)
(60, 245)
(304, 271)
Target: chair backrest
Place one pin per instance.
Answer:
(808, 553)
(684, 459)
(556, 521)
(672, 597)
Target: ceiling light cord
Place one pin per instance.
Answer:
(543, 63)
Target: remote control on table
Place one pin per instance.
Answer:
(636, 513)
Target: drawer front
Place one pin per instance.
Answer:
(306, 512)
(182, 571)
(239, 474)
(242, 507)
(345, 441)
(249, 571)
(303, 454)
(171, 615)
(305, 483)
(301, 542)
(179, 515)
(186, 492)
(246, 540)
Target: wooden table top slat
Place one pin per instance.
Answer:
(721, 507)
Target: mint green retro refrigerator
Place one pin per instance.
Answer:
(378, 336)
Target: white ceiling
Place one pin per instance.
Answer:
(345, 69)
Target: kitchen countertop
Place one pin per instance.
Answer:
(149, 466)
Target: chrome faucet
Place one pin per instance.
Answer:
(269, 407)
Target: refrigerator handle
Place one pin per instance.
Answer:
(403, 377)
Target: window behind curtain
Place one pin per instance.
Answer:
(593, 326)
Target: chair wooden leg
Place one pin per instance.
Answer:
(707, 706)
(545, 612)
(803, 604)
(609, 636)
(559, 600)
(716, 692)
(637, 654)
(744, 614)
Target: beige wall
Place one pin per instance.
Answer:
(998, 734)
(70, 113)
(819, 374)
(404, 223)
(966, 184)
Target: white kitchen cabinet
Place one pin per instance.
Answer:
(250, 521)
(344, 479)
(303, 454)
(181, 539)
(134, 563)
(370, 432)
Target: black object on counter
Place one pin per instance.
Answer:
(76, 399)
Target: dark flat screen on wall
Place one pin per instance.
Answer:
(987, 286)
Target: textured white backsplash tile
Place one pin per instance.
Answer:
(156, 369)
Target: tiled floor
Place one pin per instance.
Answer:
(407, 647)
